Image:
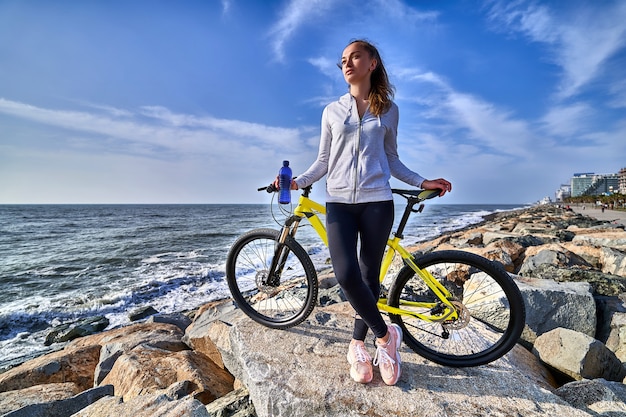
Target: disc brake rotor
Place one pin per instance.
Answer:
(463, 319)
(261, 282)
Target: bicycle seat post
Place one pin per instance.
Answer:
(411, 202)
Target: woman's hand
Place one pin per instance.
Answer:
(438, 184)
(276, 183)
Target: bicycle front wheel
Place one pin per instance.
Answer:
(281, 298)
(491, 312)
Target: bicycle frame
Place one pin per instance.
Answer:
(439, 311)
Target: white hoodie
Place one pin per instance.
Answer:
(359, 156)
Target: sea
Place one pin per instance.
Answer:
(63, 263)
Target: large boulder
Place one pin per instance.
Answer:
(598, 396)
(616, 341)
(161, 404)
(16, 399)
(610, 237)
(551, 304)
(578, 356)
(551, 254)
(613, 261)
(196, 335)
(63, 407)
(117, 342)
(303, 372)
(74, 364)
(146, 370)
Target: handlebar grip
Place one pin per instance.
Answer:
(270, 188)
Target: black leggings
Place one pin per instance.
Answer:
(358, 274)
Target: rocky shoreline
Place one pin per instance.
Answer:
(214, 361)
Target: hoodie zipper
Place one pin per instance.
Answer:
(356, 165)
(358, 150)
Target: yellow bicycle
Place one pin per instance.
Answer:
(455, 308)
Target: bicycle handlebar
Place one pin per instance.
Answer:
(421, 195)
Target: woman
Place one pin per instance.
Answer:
(358, 153)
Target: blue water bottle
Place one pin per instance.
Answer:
(284, 183)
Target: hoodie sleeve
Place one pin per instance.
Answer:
(396, 167)
(319, 168)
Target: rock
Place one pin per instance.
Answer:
(550, 305)
(73, 364)
(604, 237)
(578, 356)
(237, 401)
(613, 261)
(513, 249)
(552, 254)
(147, 369)
(472, 238)
(616, 341)
(606, 308)
(44, 393)
(67, 332)
(303, 372)
(590, 254)
(149, 405)
(331, 295)
(197, 335)
(63, 408)
(123, 340)
(177, 319)
(596, 396)
(80, 360)
(601, 283)
(161, 335)
(532, 228)
(142, 313)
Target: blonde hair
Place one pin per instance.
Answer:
(382, 90)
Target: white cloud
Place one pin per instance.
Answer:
(326, 66)
(491, 129)
(135, 156)
(567, 120)
(293, 16)
(179, 133)
(489, 126)
(412, 74)
(226, 5)
(398, 10)
(298, 13)
(580, 40)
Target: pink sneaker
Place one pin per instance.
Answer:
(387, 357)
(360, 362)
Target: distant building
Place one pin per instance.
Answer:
(564, 192)
(581, 183)
(589, 183)
(622, 181)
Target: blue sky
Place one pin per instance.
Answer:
(200, 101)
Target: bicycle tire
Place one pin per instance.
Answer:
(283, 303)
(494, 311)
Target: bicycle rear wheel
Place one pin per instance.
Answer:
(491, 309)
(279, 299)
